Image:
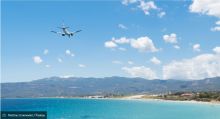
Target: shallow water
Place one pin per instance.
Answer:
(113, 109)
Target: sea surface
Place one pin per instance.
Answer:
(58, 108)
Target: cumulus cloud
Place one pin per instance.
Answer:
(68, 52)
(37, 59)
(217, 22)
(110, 44)
(141, 43)
(144, 44)
(122, 26)
(140, 71)
(130, 62)
(122, 40)
(82, 65)
(161, 14)
(216, 28)
(147, 6)
(117, 62)
(199, 67)
(47, 66)
(154, 60)
(66, 76)
(122, 49)
(176, 46)
(196, 47)
(207, 7)
(126, 2)
(216, 50)
(46, 51)
(59, 60)
(172, 38)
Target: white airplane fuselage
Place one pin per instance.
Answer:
(65, 31)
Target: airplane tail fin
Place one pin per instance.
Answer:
(63, 27)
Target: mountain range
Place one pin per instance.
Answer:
(76, 86)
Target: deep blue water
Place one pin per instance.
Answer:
(113, 109)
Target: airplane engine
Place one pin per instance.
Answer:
(63, 34)
(71, 34)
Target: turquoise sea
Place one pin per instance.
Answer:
(113, 109)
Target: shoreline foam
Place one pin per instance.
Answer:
(133, 97)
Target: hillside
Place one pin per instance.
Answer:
(56, 86)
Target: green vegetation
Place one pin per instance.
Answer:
(107, 87)
(197, 96)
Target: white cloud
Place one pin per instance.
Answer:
(217, 22)
(110, 44)
(207, 7)
(66, 76)
(147, 6)
(144, 44)
(46, 51)
(196, 47)
(140, 71)
(37, 59)
(122, 49)
(199, 67)
(82, 65)
(47, 66)
(172, 38)
(122, 40)
(154, 60)
(117, 62)
(130, 62)
(216, 50)
(126, 2)
(141, 43)
(176, 46)
(122, 26)
(216, 28)
(59, 60)
(68, 52)
(161, 14)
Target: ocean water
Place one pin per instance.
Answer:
(113, 109)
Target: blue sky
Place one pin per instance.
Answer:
(182, 37)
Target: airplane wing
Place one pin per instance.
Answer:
(63, 34)
(56, 32)
(76, 31)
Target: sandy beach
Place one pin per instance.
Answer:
(132, 97)
(141, 97)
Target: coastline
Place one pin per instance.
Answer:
(141, 98)
(131, 98)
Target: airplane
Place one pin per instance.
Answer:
(65, 32)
